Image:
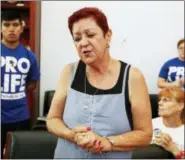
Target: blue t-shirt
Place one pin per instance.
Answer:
(18, 67)
(172, 70)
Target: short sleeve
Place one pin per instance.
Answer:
(164, 71)
(34, 73)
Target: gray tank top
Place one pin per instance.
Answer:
(105, 114)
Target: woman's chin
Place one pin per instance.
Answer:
(89, 60)
(161, 114)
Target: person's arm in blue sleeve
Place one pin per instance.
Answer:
(33, 75)
(163, 76)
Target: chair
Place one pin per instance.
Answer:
(41, 121)
(41, 145)
(47, 100)
(152, 152)
(30, 145)
(154, 105)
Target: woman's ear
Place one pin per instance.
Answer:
(181, 106)
(108, 36)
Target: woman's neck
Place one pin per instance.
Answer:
(172, 121)
(100, 67)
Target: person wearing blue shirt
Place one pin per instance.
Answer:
(19, 75)
(172, 72)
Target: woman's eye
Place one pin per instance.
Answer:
(91, 35)
(77, 39)
(165, 100)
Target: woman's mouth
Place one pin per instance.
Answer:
(86, 53)
(162, 109)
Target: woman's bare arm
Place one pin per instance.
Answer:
(54, 120)
(141, 115)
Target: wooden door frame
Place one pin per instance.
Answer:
(35, 44)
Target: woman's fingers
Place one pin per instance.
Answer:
(91, 145)
(164, 138)
(167, 137)
(97, 147)
(161, 142)
(81, 129)
(88, 140)
(82, 141)
(77, 137)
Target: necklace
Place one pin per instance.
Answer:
(85, 87)
(85, 90)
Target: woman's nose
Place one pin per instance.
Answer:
(160, 102)
(84, 42)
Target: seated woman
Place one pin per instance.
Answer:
(169, 127)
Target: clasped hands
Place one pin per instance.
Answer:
(85, 138)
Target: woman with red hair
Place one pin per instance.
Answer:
(98, 107)
(169, 127)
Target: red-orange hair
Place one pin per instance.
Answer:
(88, 12)
(175, 93)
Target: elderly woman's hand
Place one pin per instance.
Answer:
(164, 140)
(91, 141)
(99, 145)
(79, 129)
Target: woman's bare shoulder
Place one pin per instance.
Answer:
(135, 74)
(65, 71)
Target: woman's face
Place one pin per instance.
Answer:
(89, 40)
(181, 51)
(168, 107)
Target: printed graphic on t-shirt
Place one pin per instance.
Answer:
(175, 73)
(14, 80)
